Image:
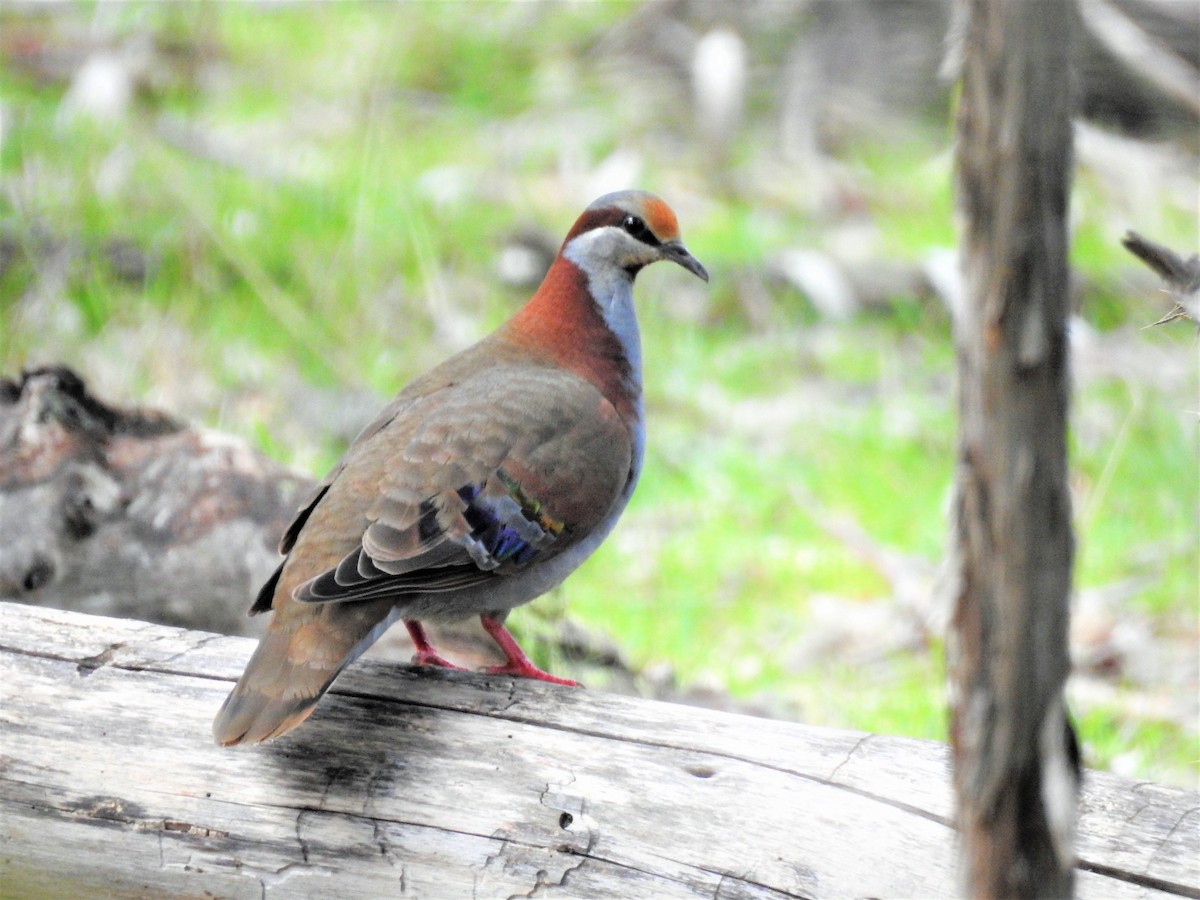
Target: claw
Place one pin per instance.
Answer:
(433, 659)
(426, 655)
(518, 664)
(528, 670)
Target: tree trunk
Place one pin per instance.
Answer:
(1016, 762)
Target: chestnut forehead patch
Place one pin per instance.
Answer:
(661, 219)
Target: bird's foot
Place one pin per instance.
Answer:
(432, 658)
(528, 670)
(426, 655)
(518, 664)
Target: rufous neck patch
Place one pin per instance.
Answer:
(563, 322)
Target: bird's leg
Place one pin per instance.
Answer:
(426, 655)
(518, 663)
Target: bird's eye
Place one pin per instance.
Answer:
(636, 227)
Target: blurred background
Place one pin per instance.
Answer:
(266, 218)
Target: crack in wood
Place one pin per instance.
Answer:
(862, 740)
(736, 883)
(1163, 843)
(511, 701)
(199, 644)
(1141, 880)
(300, 837)
(379, 775)
(380, 836)
(573, 816)
(89, 664)
(123, 812)
(270, 880)
(194, 830)
(152, 667)
(541, 882)
(1137, 812)
(332, 774)
(722, 878)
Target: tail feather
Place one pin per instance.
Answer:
(252, 717)
(293, 666)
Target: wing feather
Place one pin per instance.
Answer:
(477, 485)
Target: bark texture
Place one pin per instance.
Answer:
(1016, 763)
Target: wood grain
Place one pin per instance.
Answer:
(433, 784)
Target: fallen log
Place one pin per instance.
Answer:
(413, 782)
(130, 511)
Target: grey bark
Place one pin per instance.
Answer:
(1016, 763)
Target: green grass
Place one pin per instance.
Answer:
(334, 217)
(1113, 740)
(910, 186)
(736, 536)
(1138, 495)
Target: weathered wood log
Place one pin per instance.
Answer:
(131, 512)
(425, 783)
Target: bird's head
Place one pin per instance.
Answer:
(626, 231)
(582, 316)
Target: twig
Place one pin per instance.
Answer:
(1182, 276)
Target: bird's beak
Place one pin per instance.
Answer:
(676, 252)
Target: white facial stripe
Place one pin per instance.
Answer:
(603, 254)
(611, 245)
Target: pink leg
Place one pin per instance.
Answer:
(426, 655)
(518, 663)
